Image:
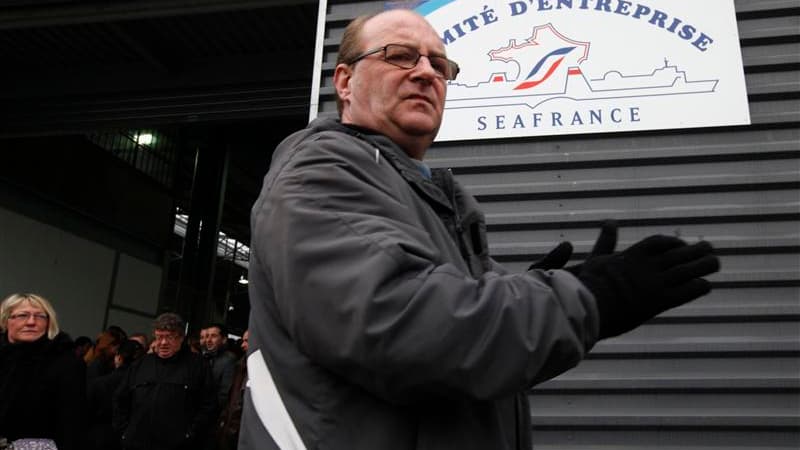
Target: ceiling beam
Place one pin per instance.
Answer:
(79, 114)
(137, 47)
(98, 12)
(211, 75)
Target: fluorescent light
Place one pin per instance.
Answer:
(242, 280)
(144, 139)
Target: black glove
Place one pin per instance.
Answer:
(604, 245)
(555, 259)
(558, 257)
(655, 274)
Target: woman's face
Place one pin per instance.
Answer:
(26, 323)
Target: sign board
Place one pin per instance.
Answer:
(548, 67)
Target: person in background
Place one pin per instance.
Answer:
(202, 338)
(231, 415)
(100, 361)
(100, 394)
(234, 347)
(152, 347)
(167, 400)
(141, 338)
(193, 342)
(42, 382)
(118, 332)
(213, 344)
(378, 318)
(83, 344)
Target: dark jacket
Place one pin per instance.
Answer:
(231, 415)
(43, 392)
(100, 394)
(165, 404)
(99, 367)
(378, 312)
(223, 364)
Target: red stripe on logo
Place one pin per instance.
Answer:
(530, 84)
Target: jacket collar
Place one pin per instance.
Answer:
(398, 158)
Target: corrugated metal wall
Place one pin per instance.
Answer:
(722, 372)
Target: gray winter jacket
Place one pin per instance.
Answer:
(381, 318)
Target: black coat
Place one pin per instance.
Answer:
(100, 393)
(165, 404)
(43, 391)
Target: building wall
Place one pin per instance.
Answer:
(84, 229)
(721, 372)
(89, 284)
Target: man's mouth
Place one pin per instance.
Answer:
(419, 97)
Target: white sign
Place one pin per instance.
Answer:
(546, 67)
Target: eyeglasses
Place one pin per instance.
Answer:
(25, 316)
(172, 337)
(407, 58)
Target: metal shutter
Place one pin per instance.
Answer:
(722, 372)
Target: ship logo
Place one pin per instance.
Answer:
(546, 66)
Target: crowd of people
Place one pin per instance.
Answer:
(138, 391)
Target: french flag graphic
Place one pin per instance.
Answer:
(554, 59)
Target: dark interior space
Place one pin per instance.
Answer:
(109, 110)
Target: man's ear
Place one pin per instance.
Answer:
(341, 80)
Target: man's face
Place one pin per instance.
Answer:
(167, 343)
(213, 340)
(404, 104)
(27, 323)
(245, 341)
(203, 338)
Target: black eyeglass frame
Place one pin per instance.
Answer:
(452, 65)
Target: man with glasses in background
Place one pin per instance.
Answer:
(378, 319)
(168, 398)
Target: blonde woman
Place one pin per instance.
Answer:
(42, 382)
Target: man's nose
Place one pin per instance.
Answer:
(424, 69)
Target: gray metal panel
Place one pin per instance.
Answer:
(743, 6)
(761, 55)
(784, 25)
(723, 371)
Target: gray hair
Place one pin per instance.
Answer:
(170, 322)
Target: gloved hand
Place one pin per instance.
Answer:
(558, 257)
(653, 275)
(604, 245)
(555, 259)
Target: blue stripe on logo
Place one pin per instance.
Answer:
(538, 66)
(431, 6)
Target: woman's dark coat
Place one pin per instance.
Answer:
(42, 391)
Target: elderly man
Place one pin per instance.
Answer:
(378, 319)
(167, 399)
